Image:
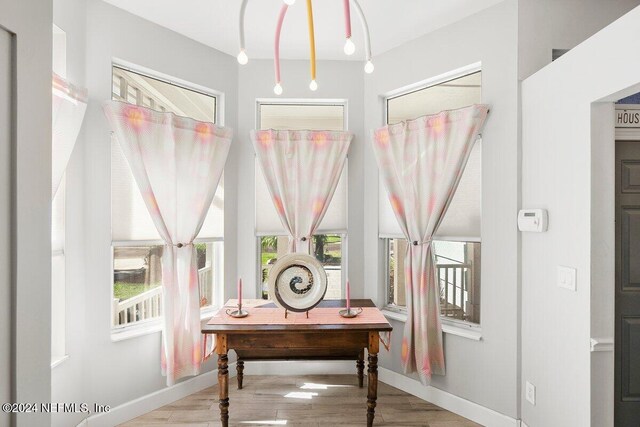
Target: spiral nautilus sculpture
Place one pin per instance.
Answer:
(349, 46)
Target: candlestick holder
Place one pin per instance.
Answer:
(239, 313)
(350, 312)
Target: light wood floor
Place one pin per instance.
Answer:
(312, 401)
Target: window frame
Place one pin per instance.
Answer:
(344, 103)
(452, 326)
(144, 327)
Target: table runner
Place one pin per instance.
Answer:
(275, 316)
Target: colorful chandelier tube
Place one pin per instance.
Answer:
(347, 18)
(242, 55)
(276, 49)
(312, 46)
(367, 38)
(349, 47)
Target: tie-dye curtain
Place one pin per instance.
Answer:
(177, 163)
(69, 104)
(421, 162)
(302, 170)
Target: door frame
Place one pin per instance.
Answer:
(29, 21)
(623, 135)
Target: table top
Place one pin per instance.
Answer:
(265, 316)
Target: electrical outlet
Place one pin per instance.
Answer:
(531, 393)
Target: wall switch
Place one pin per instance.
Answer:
(567, 278)
(531, 393)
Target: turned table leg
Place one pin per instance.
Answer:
(240, 371)
(223, 379)
(372, 394)
(360, 366)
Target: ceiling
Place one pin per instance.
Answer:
(215, 23)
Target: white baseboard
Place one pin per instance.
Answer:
(465, 408)
(142, 405)
(135, 408)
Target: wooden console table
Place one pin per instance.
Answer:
(266, 335)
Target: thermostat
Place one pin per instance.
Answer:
(536, 220)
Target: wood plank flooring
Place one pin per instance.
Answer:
(312, 401)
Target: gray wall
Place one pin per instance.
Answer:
(336, 79)
(568, 169)
(484, 372)
(98, 369)
(30, 305)
(68, 380)
(544, 25)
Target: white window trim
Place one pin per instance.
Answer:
(423, 84)
(344, 233)
(145, 327)
(134, 68)
(451, 326)
(455, 327)
(119, 333)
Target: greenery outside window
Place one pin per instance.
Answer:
(327, 248)
(137, 247)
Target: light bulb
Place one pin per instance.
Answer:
(368, 67)
(349, 47)
(289, 2)
(313, 85)
(277, 89)
(242, 57)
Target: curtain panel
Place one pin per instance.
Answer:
(302, 170)
(177, 163)
(421, 162)
(69, 103)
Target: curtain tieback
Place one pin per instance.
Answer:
(303, 238)
(180, 245)
(424, 242)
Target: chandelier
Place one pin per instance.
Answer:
(349, 46)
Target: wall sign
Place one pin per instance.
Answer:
(627, 116)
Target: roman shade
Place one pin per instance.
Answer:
(130, 220)
(462, 220)
(268, 222)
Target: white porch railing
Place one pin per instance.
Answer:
(148, 305)
(454, 290)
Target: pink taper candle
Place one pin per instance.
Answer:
(348, 296)
(240, 292)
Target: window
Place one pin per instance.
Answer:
(457, 241)
(137, 247)
(330, 241)
(458, 271)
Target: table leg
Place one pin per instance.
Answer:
(223, 379)
(372, 394)
(240, 370)
(360, 366)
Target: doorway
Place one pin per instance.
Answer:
(627, 284)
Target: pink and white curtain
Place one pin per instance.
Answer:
(421, 162)
(302, 170)
(69, 103)
(177, 163)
